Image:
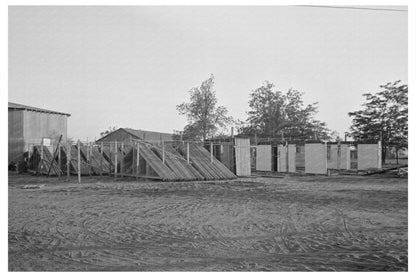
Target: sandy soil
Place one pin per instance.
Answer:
(339, 223)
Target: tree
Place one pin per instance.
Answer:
(383, 118)
(109, 130)
(275, 114)
(204, 117)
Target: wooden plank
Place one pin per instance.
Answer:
(192, 171)
(138, 160)
(122, 159)
(101, 158)
(156, 164)
(79, 162)
(68, 160)
(115, 159)
(242, 156)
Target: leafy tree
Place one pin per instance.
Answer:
(384, 118)
(275, 114)
(204, 117)
(109, 130)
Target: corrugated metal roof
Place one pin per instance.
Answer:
(15, 106)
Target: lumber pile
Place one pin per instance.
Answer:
(73, 163)
(45, 165)
(170, 163)
(178, 163)
(162, 170)
(97, 163)
(201, 160)
(167, 162)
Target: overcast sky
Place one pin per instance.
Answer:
(130, 66)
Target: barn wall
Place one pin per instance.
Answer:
(16, 141)
(39, 125)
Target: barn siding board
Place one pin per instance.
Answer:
(282, 158)
(242, 156)
(345, 158)
(292, 158)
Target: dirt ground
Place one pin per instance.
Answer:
(296, 223)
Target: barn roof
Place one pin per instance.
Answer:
(15, 106)
(142, 134)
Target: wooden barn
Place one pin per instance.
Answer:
(31, 126)
(127, 134)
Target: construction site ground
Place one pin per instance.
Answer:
(295, 223)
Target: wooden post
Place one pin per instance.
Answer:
(163, 151)
(28, 156)
(91, 150)
(326, 158)
(111, 158)
(379, 155)
(212, 152)
(79, 162)
(187, 152)
(138, 160)
(68, 160)
(122, 159)
(115, 159)
(132, 156)
(88, 153)
(89, 157)
(41, 155)
(101, 158)
(59, 161)
(338, 154)
(287, 156)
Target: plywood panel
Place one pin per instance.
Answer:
(315, 158)
(291, 157)
(368, 156)
(242, 156)
(282, 159)
(264, 157)
(345, 157)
